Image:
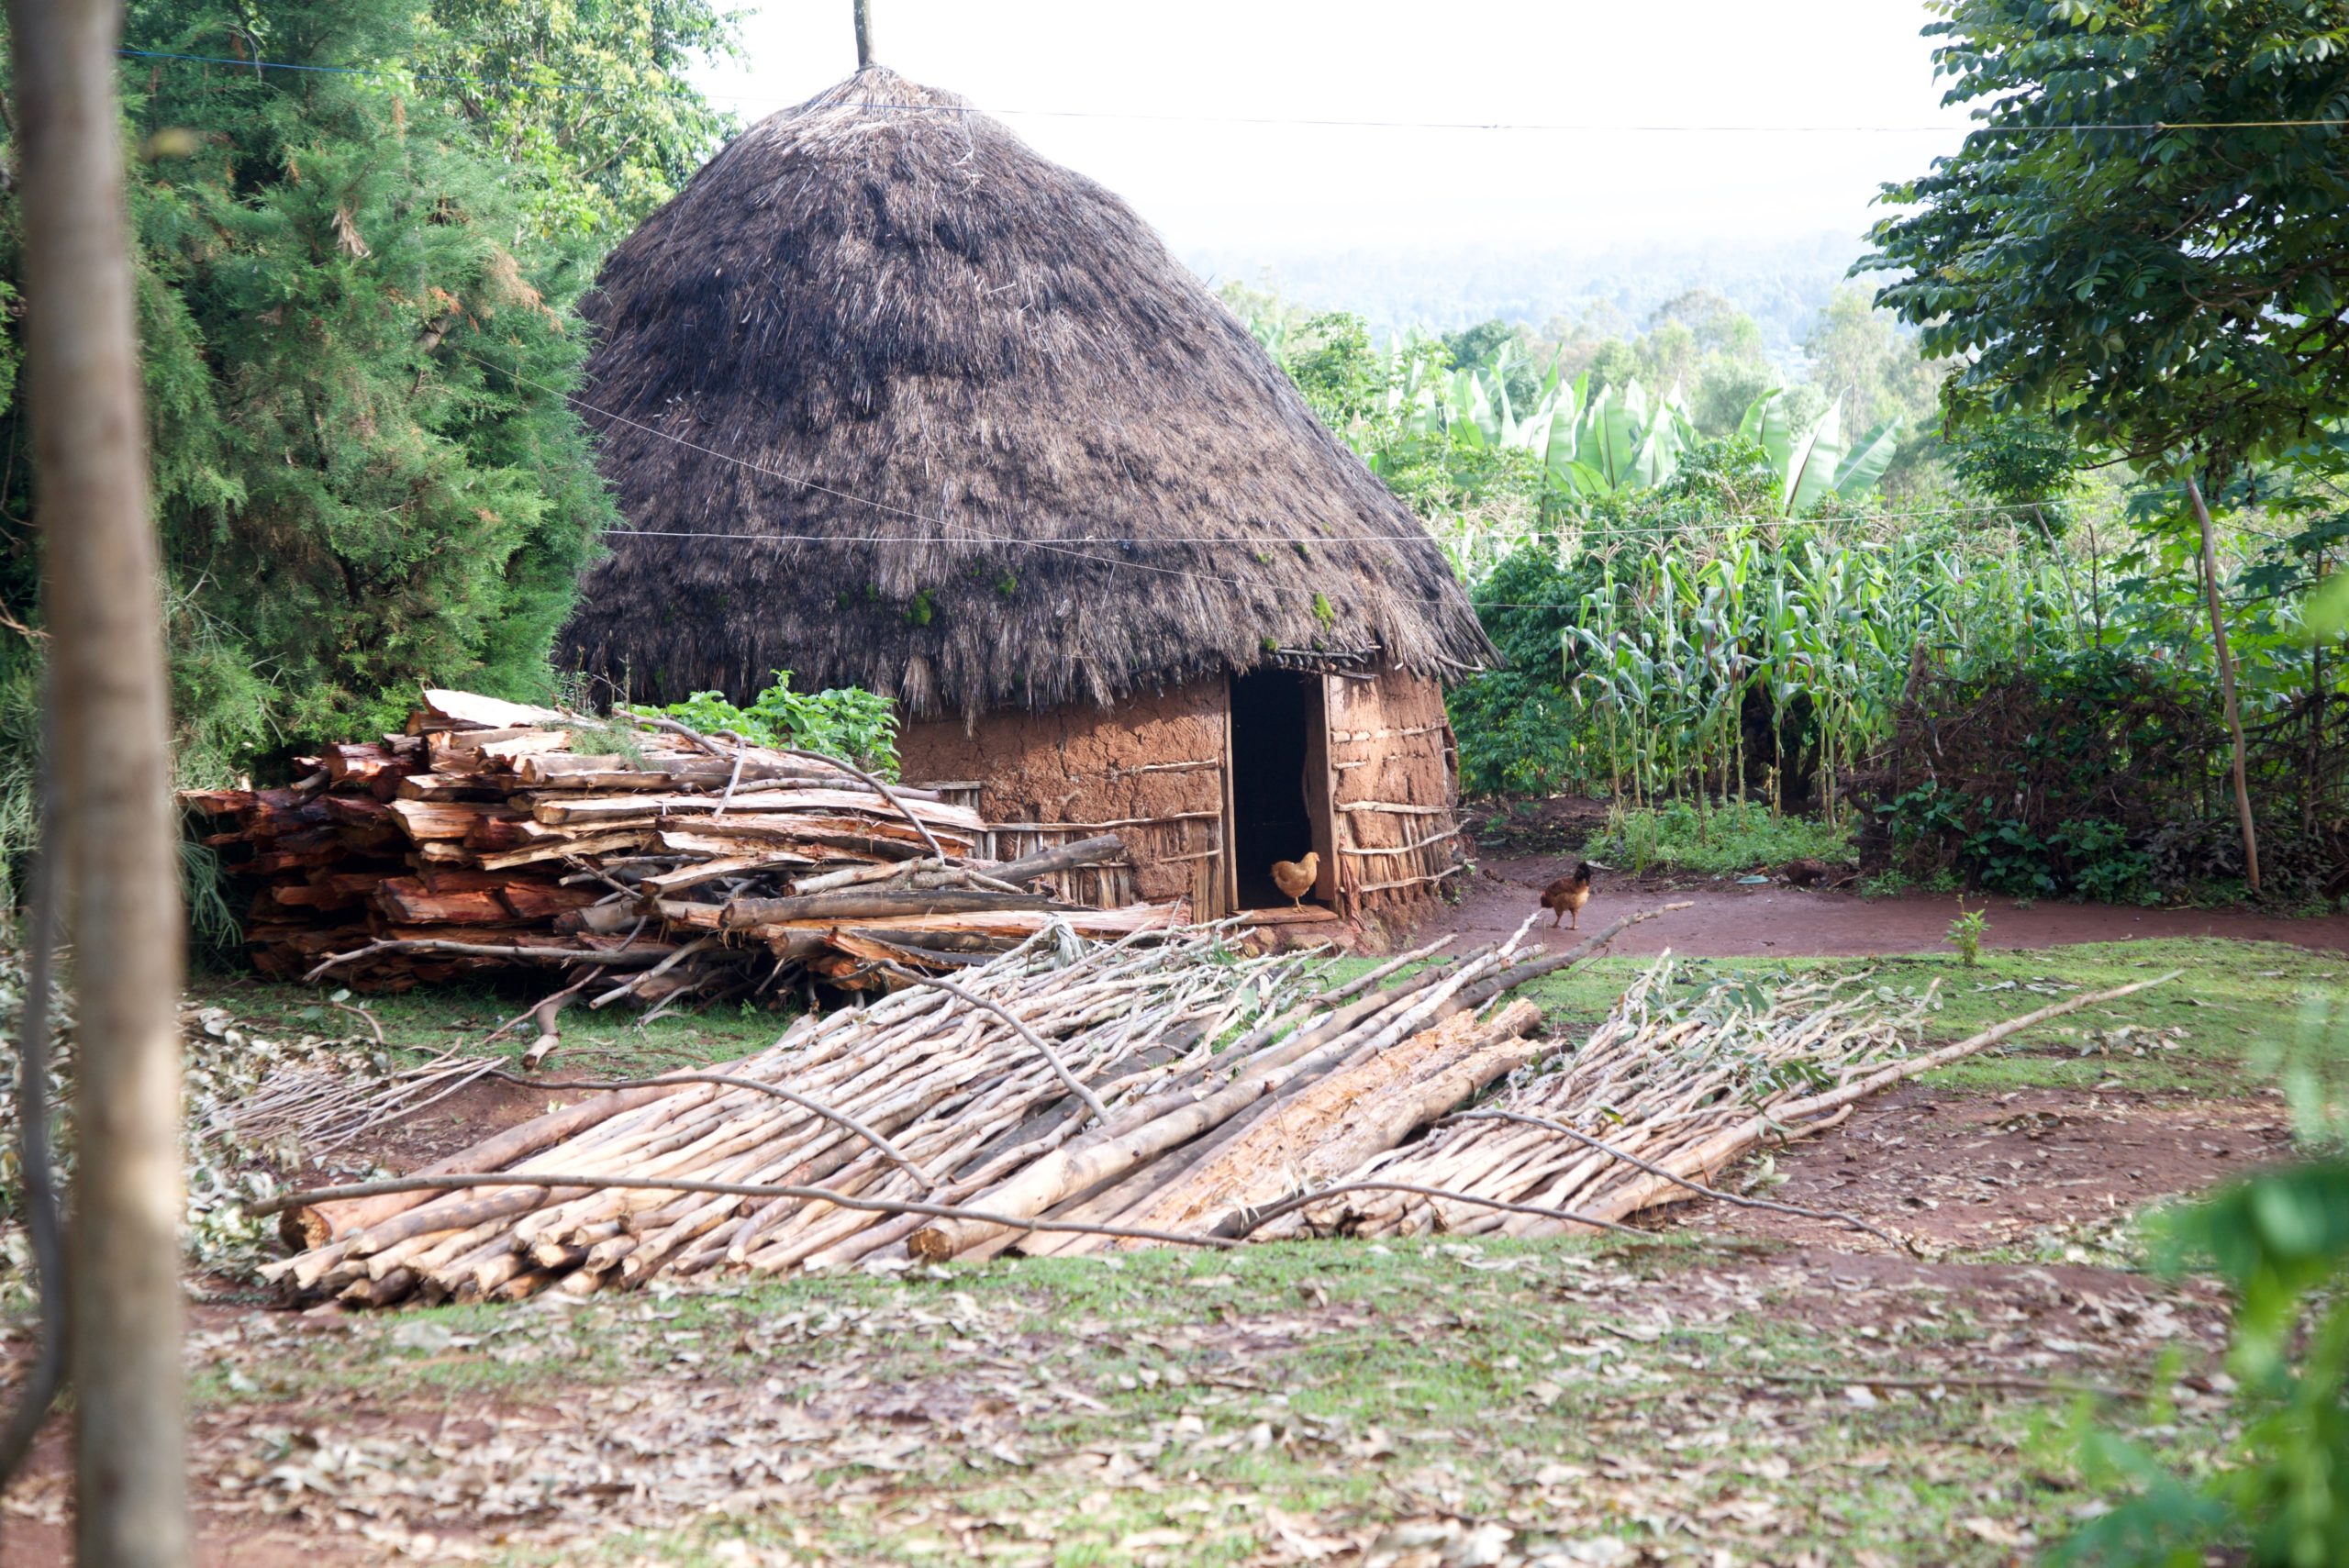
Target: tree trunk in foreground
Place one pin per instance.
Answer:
(2226, 682)
(118, 859)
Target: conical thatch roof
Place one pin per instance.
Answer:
(995, 446)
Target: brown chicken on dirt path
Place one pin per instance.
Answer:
(1296, 878)
(1567, 896)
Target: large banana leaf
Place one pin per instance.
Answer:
(1770, 424)
(1607, 439)
(1660, 450)
(1809, 475)
(1867, 460)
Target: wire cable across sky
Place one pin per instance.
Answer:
(1586, 127)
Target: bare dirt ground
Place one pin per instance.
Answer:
(1982, 1173)
(1731, 921)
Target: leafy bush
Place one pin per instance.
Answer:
(2053, 774)
(1720, 840)
(1517, 726)
(2094, 859)
(2280, 1496)
(857, 725)
(2105, 866)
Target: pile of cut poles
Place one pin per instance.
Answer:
(666, 866)
(1159, 1089)
(1669, 1091)
(947, 1118)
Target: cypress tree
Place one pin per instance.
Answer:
(358, 340)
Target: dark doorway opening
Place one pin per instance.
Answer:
(1276, 729)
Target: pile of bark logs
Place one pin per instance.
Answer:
(642, 860)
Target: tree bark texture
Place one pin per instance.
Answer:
(119, 857)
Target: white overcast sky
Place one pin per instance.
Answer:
(1747, 63)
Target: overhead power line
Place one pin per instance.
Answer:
(971, 535)
(1331, 122)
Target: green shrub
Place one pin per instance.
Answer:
(1966, 840)
(1730, 836)
(2279, 1497)
(1965, 934)
(857, 725)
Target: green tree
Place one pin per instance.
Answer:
(357, 347)
(1858, 355)
(1703, 344)
(587, 98)
(2022, 462)
(1574, 345)
(2148, 233)
(1490, 342)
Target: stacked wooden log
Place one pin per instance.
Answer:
(494, 834)
(1159, 1089)
(1669, 1090)
(1040, 1085)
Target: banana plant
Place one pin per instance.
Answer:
(1814, 462)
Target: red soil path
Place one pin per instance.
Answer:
(1731, 921)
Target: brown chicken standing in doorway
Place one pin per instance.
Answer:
(1567, 896)
(1296, 878)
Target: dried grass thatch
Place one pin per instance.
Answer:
(996, 446)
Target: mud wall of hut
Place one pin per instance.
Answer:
(1393, 772)
(1150, 770)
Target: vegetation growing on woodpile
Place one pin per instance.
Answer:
(856, 724)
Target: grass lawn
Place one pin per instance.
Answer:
(1722, 839)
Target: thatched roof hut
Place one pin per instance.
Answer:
(888, 400)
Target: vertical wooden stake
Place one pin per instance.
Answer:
(2226, 682)
(1228, 828)
(864, 33)
(117, 855)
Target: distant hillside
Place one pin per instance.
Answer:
(1782, 285)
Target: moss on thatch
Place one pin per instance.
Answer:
(996, 447)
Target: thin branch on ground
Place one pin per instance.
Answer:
(362, 1013)
(1250, 1220)
(551, 1182)
(1954, 1380)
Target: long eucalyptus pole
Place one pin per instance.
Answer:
(2226, 682)
(864, 33)
(118, 859)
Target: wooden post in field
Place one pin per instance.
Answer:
(117, 854)
(2226, 682)
(864, 33)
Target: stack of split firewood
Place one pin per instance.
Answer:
(644, 860)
